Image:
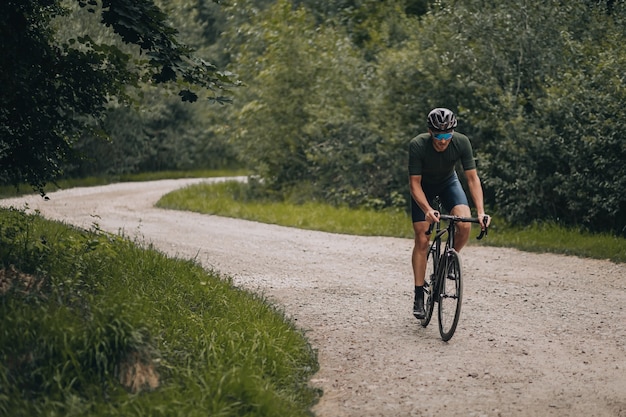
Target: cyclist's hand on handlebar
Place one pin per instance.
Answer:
(485, 220)
(432, 216)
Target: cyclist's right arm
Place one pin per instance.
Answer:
(418, 195)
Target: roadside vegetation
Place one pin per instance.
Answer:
(326, 96)
(234, 199)
(98, 325)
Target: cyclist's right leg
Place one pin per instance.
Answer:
(418, 258)
(418, 261)
(420, 250)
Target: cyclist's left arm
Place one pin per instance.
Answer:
(476, 192)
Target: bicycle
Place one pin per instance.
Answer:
(445, 285)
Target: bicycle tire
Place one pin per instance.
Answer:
(429, 284)
(450, 296)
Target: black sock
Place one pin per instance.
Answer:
(419, 291)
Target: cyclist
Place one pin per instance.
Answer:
(432, 158)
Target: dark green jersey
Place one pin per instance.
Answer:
(436, 167)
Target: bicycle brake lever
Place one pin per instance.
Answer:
(483, 232)
(430, 229)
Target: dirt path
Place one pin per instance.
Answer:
(540, 335)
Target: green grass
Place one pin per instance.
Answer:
(230, 199)
(549, 237)
(222, 199)
(80, 308)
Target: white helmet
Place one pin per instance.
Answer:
(441, 119)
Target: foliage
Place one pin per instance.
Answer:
(90, 320)
(335, 90)
(304, 116)
(56, 88)
(270, 126)
(590, 176)
(554, 154)
(368, 73)
(165, 135)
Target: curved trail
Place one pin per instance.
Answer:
(539, 335)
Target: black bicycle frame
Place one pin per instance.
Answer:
(436, 251)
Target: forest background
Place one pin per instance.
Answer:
(331, 93)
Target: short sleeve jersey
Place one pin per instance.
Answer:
(436, 167)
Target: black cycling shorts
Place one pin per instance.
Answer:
(450, 193)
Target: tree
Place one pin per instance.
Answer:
(276, 62)
(541, 91)
(55, 89)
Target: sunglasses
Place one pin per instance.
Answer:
(442, 136)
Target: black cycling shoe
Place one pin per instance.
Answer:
(418, 308)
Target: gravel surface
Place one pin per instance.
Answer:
(539, 335)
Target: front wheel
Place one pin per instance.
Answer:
(451, 295)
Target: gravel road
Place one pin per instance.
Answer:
(540, 335)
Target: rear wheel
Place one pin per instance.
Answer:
(451, 296)
(429, 284)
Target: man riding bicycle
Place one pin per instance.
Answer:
(432, 158)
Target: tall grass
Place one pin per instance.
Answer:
(232, 199)
(97, 325)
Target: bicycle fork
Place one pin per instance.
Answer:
(446, 269)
